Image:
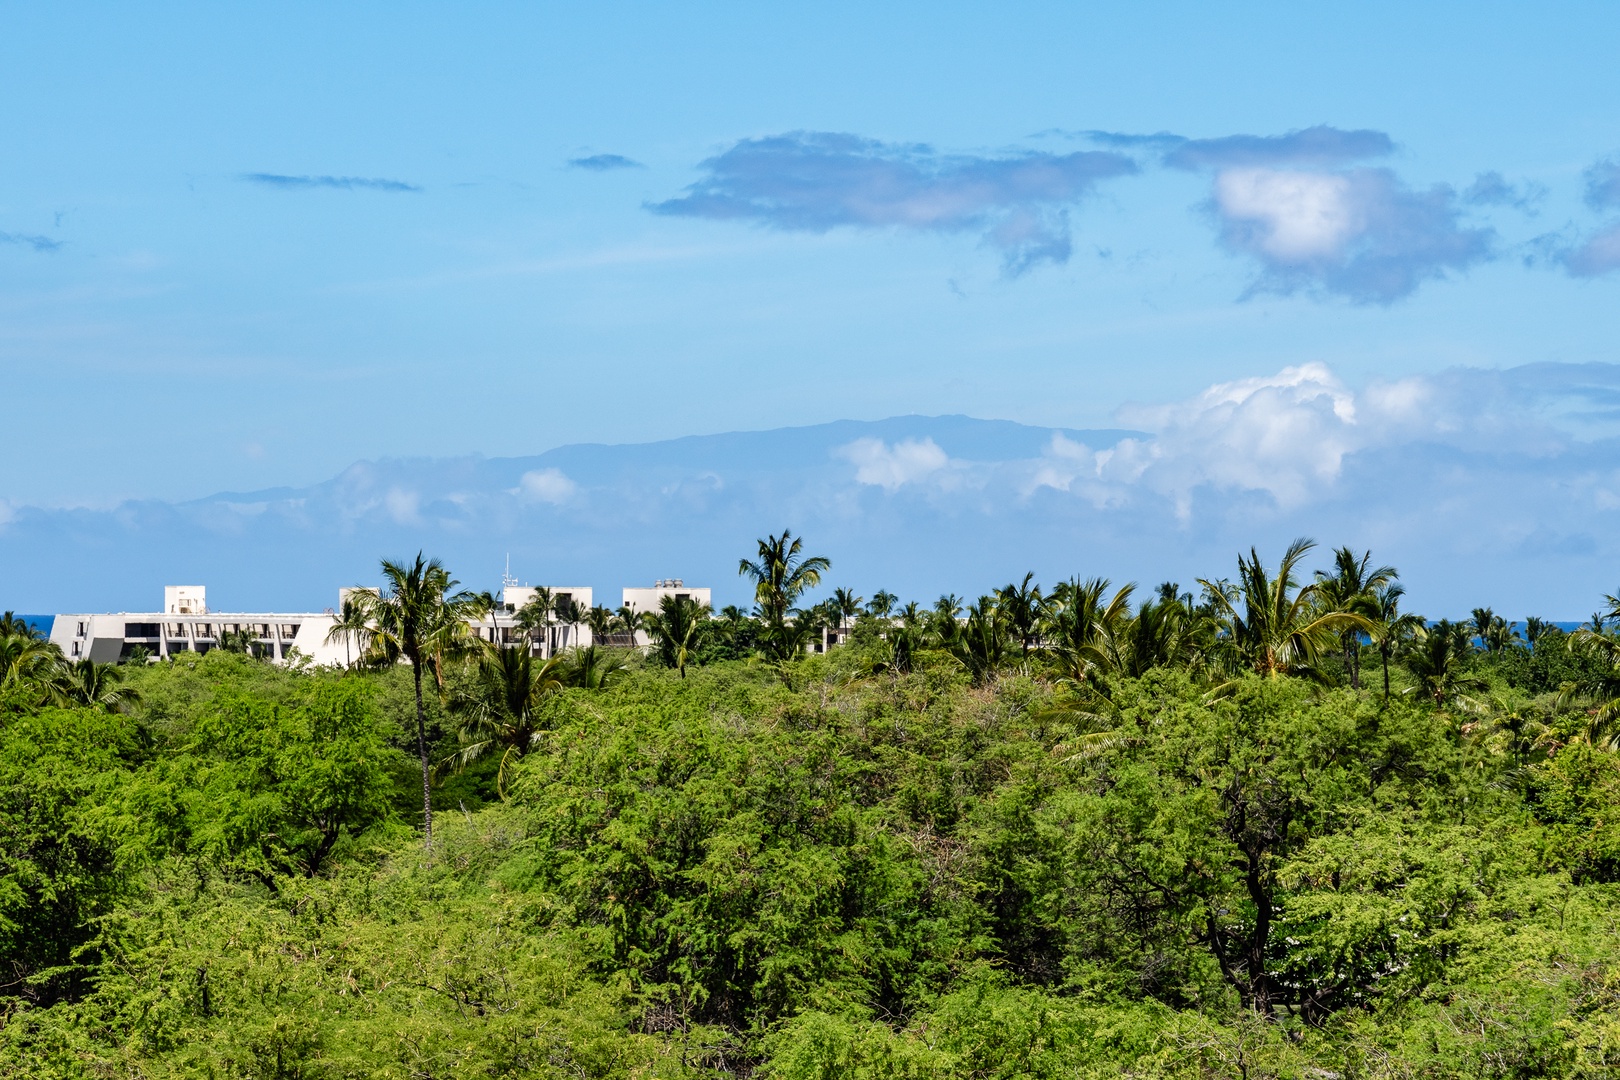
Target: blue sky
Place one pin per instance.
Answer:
(248, 247)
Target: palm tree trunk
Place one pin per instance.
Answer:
(1384, 655)
(421, 750)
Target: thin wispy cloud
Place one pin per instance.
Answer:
(817, 181)
(38, 243)
(605, 163)
(1596, 253)
(1313, 148)
(1603, 185)
(341, 183)
(1492, 189)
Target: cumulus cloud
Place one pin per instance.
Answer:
(879, 464)
(1285, 434)
(342, 183)
(1316, 219)
(38, 243)
(816, 181)
(545, 485)
(604, 163)
(1357, 233)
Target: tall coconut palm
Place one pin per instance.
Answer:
(420, 617)
(781, 574)
(676, 629)
(1281, 629)
(882, 604)
(570, 615)
(534, 617)
(1534, 628)
(628, 620)
(847, 604)
(1351, 588)
(1022, 606)
(1390, 628)
(96, 686)
(350, 625)
(503, 710)
(600, 620)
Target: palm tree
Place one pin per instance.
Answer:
(847, 604)
(1351, 588)
(28, 662)
(12, 624)
(882, 604)
(1086, 629)
(504, 709)
(677, 628)
(781, 574)
(1534, 628)
(571, 615)
(534, 617)
(1281, 630)
(97, 686)
(1436, 660)
(600, 620)
(350, 624)
(629, 620)
(420, 618)
(1390, 629)
(590, 668)
(1021, 606)
(1480, 625)
(981, 647)
(1599, 692)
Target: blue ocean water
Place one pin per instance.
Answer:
(42, 623)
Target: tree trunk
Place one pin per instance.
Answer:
(421, 750)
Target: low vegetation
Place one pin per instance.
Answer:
(1266, 826)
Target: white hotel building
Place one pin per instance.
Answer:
(187, 625)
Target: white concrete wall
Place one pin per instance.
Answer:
(102, 637)
(647, 599)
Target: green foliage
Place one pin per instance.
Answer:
(67, 849)
(971, 864)
(271, 789)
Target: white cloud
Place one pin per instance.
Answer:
(545, 485)
(403, 506)
(891, 467)
(1300, 215)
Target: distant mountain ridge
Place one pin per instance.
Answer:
(585, 513)
(1486, 488)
